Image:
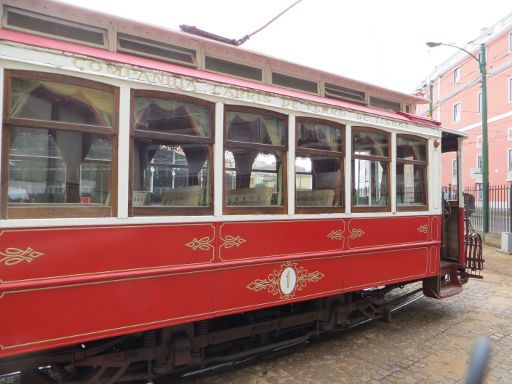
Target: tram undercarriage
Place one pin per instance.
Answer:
(207, 344)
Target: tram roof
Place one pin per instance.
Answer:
(108, 23)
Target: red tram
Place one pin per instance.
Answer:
(168, 200)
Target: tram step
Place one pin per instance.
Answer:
(450, 290)
(451, 286)
(444, 285)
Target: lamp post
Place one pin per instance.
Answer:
(485, 149)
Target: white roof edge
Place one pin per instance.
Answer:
(454, 132)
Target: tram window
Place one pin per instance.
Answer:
(370, 170)
(254, 161)
(319, 166)
(60, 135)
(411, 173)
(173, 153)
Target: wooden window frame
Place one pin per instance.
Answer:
(422, 207)
(176, 138)
(248, 210)
(387, 159)
(321, 152)
(57, 210)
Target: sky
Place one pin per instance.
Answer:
(378, 42)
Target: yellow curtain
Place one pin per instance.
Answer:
(270, 125)
(101, 102)
(330, 134)
(198, 114)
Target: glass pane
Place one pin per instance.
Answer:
(254, 128)
(53, 101)
(410, 184)
(172, 116)
(253, 177)
(370, 143)
(59, 167)
(320, 136)
(370, 180)
(318, 181)
(410, 148)
(171, 174)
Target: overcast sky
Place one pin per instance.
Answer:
(379, 42)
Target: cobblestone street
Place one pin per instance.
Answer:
(427, 342)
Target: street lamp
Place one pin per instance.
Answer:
(485, 149)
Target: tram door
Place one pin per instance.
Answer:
(452, 248)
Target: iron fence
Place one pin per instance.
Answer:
(500, 206)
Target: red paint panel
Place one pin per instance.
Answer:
(277, 238)
(260, 285)
(434, 260)
(72, 251)
(62, 315)
(366, 270)
(436, 228)
(387, 231)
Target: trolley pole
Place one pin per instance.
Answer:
(485, 142)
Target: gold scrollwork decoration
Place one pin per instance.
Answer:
(13, 256)
(204, 243)
(232, 241)
(356, 232)
(423, 228)
(272, 284)
(335, 234)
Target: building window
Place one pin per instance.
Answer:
(172, 154)
(479, 161)
(510, 89)
(319, 166)
(479, 141)
(370, 170)
(510, 159)
(456, 112)
(254, 161)
(456, 75)
(510, 42)
(509, 134)
(454, 168)
(411, 172)
(479, 103)
(61, 137)
(479, 192)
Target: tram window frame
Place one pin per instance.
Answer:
(421, 163)
(386, 159)
(174, 138)
(10, 123)
(311, 152)
(283, 149)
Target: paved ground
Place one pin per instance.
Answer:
(430, 341)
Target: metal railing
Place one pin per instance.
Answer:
(500, 206)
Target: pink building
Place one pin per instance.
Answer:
(454, 88)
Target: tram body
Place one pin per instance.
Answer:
(141, 195)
